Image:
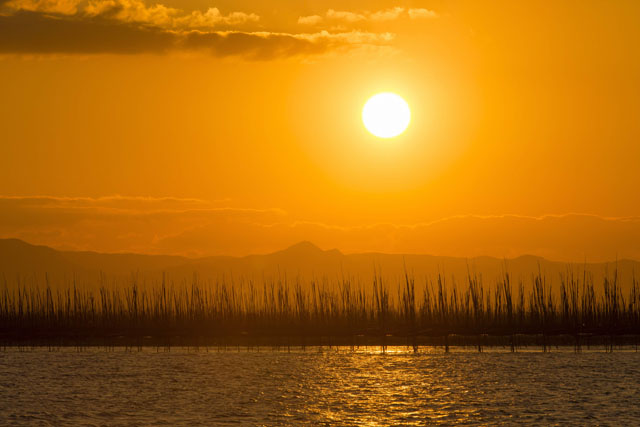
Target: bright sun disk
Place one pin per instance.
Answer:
(386, 115)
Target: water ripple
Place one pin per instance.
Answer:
(270, 388)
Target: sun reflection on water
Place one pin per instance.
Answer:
(366, 387)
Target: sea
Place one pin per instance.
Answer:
(366, 386)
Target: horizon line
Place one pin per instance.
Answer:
(319, 249)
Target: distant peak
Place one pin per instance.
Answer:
(305, 246)
(14, 241)
(306, 250)
(17, 243)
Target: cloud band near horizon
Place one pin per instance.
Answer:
(194, 227)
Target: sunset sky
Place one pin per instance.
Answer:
(232, 127)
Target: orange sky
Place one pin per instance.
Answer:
(180, 128)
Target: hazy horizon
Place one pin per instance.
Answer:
(107, 224)
(309, 246)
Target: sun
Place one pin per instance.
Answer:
(386, 115)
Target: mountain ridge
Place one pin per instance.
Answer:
(303, 260)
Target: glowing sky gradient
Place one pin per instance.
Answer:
(239, 124)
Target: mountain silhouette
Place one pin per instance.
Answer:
(304, 248)
(303, 261)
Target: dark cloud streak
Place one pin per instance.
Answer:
(37, 33)
(253, 46)
(27, 32)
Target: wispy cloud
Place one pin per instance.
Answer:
(422, 14)
(310, 20)
(63, 7)
(354, 17)
(134, 11)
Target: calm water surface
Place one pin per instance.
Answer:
(182, 387)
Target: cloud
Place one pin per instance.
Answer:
(131, 27)
(571, 238)
(212, 17)
(387, 14)
(265, 45)
(132, 11)
(64, 7)
(197, 227)
(422, 14)
(378, 16)
(310, 20)
(135, 11)
(33, 33)
(384, 15)
(345, 16)
(127, 224)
